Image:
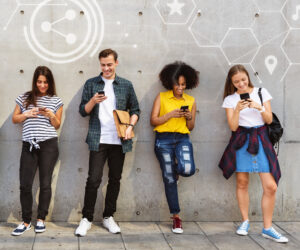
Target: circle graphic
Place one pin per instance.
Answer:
(89, 42)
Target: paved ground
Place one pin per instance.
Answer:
(149, 235)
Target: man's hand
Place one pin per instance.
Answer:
(97, 98)
(128, 133)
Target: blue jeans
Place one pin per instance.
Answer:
(174, 152)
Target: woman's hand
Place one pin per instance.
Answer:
(254, 105)
(55, 119)
(176, 113)
(188, 115)
(31, 113)
(47, 113)
(19, 117)
(242, 104)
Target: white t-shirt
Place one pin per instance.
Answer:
(109, 134)
(249, 117)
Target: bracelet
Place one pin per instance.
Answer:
(131, 125)
(262, 110)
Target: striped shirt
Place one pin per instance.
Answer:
(38, 129)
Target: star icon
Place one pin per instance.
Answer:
(176, 7)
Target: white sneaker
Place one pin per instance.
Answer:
(243, 228)
(111, 225)
(40, 227)
(83, 227)
(21, 229)
(272, 234)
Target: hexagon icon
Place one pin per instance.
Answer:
(291, 11)
(139, 55)
(175, 11)
(291, 45)
(215, 17)
(269, 5)
(211, 85)
(271, 64)
(239, 45)
(269, 25)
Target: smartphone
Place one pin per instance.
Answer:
(245, 96)
(184, 108)
(42, 109)
(101, 92)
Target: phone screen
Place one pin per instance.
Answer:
(101, 92)
(184, 108)
(245, 96)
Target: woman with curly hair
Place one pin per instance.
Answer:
(173, 115)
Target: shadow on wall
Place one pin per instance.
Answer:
(10, 152)
(70, 177)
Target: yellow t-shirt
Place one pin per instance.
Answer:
(169, 102)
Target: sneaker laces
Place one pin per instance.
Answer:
(176, 222)
(275, 232)
(40, 223)
(83, 222)
(21, 226)
(244, 225)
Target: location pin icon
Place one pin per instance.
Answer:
(271, 63)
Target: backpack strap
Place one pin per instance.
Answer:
(260, 97)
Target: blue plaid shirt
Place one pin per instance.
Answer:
(125, 100)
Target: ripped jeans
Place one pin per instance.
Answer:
(174, 152)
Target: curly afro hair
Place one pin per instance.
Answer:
(171, 72)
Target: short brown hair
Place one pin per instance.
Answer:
(106, 52)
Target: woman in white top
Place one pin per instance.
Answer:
(250, 149)
(40, 111)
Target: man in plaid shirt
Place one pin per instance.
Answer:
(100, 96)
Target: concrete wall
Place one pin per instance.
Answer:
(67, 35)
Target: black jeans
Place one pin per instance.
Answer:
(115, 157)
(44, 159)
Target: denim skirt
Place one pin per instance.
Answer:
(246, 162)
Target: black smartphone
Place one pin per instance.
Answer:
(101, 92)
(184, 108)
(245, 96)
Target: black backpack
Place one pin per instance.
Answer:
(275, 129)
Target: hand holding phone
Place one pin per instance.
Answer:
(42, 109)
(184, 108)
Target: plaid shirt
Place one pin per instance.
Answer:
(238, 139)
(125, 100)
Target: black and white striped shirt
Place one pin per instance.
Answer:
(38, 129)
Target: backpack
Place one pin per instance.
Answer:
(275, 129)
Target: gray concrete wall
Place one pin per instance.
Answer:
(67, 35)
